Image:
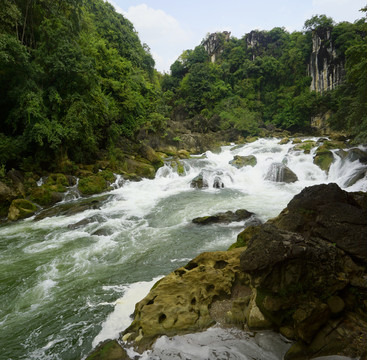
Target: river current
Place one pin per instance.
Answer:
(65, 287)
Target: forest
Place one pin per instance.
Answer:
(76, 82)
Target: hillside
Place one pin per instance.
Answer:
(276, 78)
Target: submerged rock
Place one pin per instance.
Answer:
(218, 183)
(199, 182)
(224, 217)
(71, 208)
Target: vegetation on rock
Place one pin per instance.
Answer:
(21, 209)
(310, 283)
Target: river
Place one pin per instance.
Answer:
(64, 287)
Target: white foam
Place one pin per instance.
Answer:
(120, 319)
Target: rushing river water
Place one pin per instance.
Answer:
(64, 287)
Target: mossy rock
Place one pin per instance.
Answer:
(139, 168)
(241, 161)
(30, 182)
(296, 141)
(284, 141)
(183, 154)
(45, 195)
(199, 182)
(168, 150)
(306, 146)
(328, 144)
(108, 175)
(108, 350)
(323, 158)
(251, 139)
(94, 184)
(57, 182)
(245, 236)
(151, 156)
(21, 209)
(179, 167)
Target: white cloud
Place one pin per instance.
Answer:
(161, 32)
(153, 24)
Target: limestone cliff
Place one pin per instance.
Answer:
(256, 41)
(326, 68)
(214, 43)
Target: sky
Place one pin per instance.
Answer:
(169, 27)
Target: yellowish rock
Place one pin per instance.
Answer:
(180, 302)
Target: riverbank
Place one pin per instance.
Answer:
(303, 274)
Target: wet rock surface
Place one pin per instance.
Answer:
(224, 217)
(279, 172)
(302, 274)
(180, 303)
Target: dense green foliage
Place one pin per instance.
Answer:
(262, 79)
(75, 81)
(349, 101)
(74, 78)
(258, 79)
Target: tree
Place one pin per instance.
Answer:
(318, 21)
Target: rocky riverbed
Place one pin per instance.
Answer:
(303, 274)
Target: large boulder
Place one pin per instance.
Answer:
(148, 153)
(94, 184)
(21, 209)
(180, 302)
(323, 158)
(282, 262)
(303, 273)
(279, 172)
(329, 213)
(307, 265)
(139, 168)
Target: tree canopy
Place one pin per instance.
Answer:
(75, 77)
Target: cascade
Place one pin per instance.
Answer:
(71, 281)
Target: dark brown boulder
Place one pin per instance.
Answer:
(279, 261)
(329, 213)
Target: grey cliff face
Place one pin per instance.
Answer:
(326, 68)
(214, 43)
